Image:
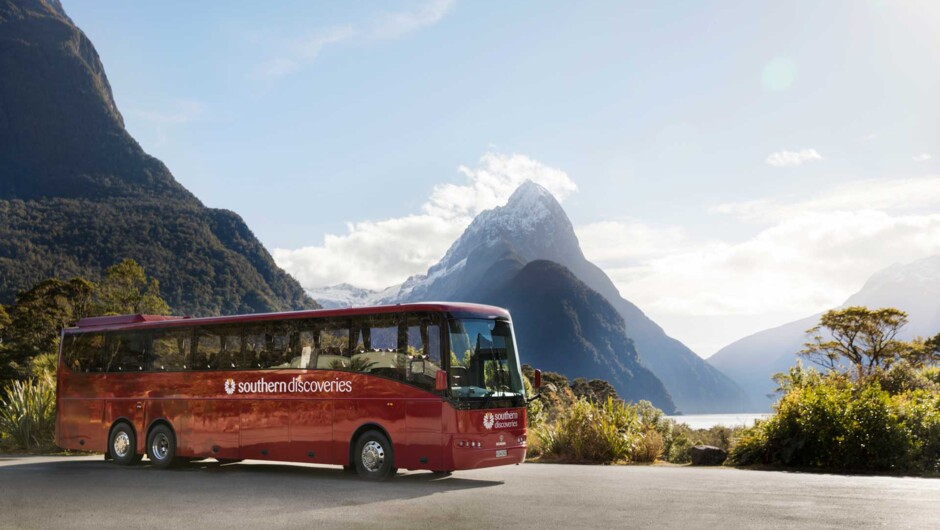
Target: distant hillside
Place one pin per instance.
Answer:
(78, 194)
(912, 287)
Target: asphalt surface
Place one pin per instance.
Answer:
(86, 492)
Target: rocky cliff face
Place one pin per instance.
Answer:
(78, 194)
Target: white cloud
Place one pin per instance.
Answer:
(384, 26)
(629, 241)
(874, 194)
(376, 254)
(792, 158)
(181, 111)
(310, 47)
(395, 25)
(805, 256)
(803, 264)
(923, 157)
(492, 182)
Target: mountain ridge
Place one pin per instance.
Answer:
(79, 194)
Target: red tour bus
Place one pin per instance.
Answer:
(365, 388)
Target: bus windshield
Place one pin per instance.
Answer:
(483, 360)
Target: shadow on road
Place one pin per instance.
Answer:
(290, 487)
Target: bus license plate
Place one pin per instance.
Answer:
(501, 453)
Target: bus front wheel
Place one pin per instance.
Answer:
(373, 456)
(161, 446)
(122, 445)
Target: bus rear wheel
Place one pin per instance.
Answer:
(122, 445)
(373, 456)
(161, 446)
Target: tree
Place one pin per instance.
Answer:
(31, 327)
(925, 351)
(4, 326)
(4, 322)
(126, 289)
(37, 318)
(602, 390)
(582, 389)
(933, 343)
(864, 338)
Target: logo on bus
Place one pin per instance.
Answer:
(230, 386)
(501, 420)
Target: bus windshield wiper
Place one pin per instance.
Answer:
(486, 398)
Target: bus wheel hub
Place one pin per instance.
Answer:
(373, 456)
(122, 443)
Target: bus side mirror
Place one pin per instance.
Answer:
(538, 380)
(440, 381)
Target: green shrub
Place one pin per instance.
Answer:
(835, 423)
(650, 447)
(535, 410)
(27, 414)
(586, 432)
(920, 414)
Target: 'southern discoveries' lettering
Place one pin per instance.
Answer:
(501, 420)
(295, 385)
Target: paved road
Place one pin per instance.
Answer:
(86, 492)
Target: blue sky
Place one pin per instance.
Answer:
(731, 165)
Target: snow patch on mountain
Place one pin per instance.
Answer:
(345, 295)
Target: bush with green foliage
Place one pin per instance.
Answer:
(833, 421)
(27, 414)
(876, 408)
(568, 427)
(588, 432)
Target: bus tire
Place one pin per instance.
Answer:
(373, 457)
(161, 446)
(122, 445)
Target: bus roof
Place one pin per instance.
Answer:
(117, 322)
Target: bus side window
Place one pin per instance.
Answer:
(84, 352)
(306, 349)
(424, 350)
(171, 350)
(334, 348)
(379, 349)
(128, 352)
(268, 346)
(230, 356)
(208, 346)
(278, 344)
(256, 356)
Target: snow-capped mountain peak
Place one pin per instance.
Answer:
(925, 271)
